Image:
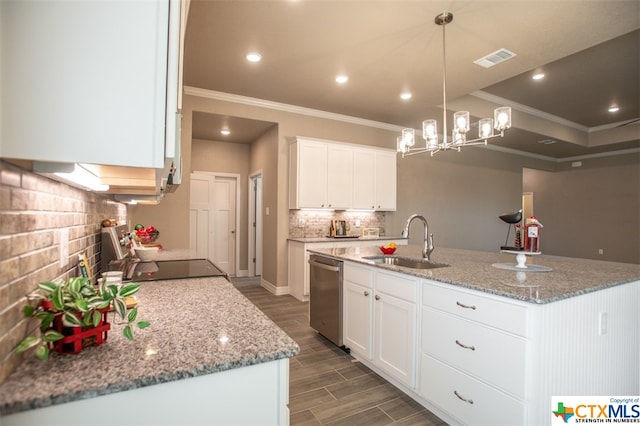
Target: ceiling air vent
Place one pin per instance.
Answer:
(495, 58)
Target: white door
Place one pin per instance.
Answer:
(201, 216)
(212, 215)
(224, 226)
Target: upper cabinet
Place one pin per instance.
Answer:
(339, 176)
(92, 82)
(374, 179)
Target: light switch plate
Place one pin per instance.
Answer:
(64, 246)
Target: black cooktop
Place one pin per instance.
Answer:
(173, 270)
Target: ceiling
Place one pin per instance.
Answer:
(588, 50)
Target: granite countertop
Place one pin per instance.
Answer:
(333, 240)
(473, 269)
(198, 326)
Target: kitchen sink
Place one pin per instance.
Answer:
(406, 262)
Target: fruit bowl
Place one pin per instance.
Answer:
(387, 250)
(147, 237)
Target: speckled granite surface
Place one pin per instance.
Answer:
(333, 240)
(198, 326)
(473, 269)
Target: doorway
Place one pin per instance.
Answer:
(214, 217)
(255, 224)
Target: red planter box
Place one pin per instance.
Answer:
(78, 338)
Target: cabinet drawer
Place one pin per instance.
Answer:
(490, 355)
(397, 285)
(358, 274)
(439, 383)
(503, 315)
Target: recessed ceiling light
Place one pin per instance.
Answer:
(253, 57)
(225, 132)
(538, 76)
(342, 79)
(614, 108)
(405, 96)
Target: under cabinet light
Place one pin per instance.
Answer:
(72, 174)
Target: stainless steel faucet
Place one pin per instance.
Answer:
(428, 238)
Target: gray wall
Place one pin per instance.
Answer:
(596, 206)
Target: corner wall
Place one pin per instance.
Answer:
(32, 211)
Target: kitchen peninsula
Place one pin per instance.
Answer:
(478, 344)
(207, 356)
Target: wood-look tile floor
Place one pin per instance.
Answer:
(326, 385)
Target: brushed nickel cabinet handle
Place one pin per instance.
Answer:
(377, 297)
(366, 293)
(473, 348)
(470, 401)
(462, 305)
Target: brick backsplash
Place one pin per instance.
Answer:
(33, 209)
(317, 222)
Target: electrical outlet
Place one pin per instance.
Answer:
(600, 251)
(602, 323)
(266, 211)
(301, 223)
(64, 246)
(357, 223)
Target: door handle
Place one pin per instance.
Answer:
(233, 231)
(325, 267)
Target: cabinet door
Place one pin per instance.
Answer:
(298, 271)
(339, 176)
(85, 81)
(395, 337)
(312, 174)
(357, 318)
(385, 180)
(364, 173)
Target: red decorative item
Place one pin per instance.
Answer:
(532, 229)
(77, 338)
(387, 250)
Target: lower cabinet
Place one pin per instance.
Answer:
(394, 332)
(379, 319)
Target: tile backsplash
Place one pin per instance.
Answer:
(33, 211)
(315, 223)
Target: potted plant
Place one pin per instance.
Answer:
(73, 310)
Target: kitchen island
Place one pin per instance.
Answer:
(479, 344)
(207, 356)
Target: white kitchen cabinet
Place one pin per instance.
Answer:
(298, 252)
(340, 176)
(395, 318)
(308, 169)
(379, 319)
(357, 303)
(374, 183)
(473, 353)
(85, 81)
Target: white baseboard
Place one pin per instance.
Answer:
(273, 289)
(243, 273)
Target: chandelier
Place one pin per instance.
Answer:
(433, 141)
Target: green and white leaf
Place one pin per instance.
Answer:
(51, 336)
(27, 343)
(129, 289)
(143, 324)
(128, 332)
(42, 352)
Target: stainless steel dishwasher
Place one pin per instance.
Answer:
(325, 297)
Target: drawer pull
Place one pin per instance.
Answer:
(462, 305)
(377, 297)
(366, 293)
(473, 348)
(470, 401)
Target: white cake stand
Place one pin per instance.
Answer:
(521, 262)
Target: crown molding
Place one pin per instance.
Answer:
(246, 100)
